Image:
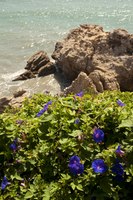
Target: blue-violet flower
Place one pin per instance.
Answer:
(118, 169)
(13, 146)
(119, 152)
(75, 166)
(74, 159)
(98, 135)
(120, 103)
(99, 166)
(44, 109)
(80, 94)
(77, 121)
(4, 183)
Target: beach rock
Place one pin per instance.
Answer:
(24, 76)
(47, 69)
(106, 57)
(17, 101)
(36, 61)
(81, 83)
(19, 93)
(39, 64)
(4, 102)
(13, 101)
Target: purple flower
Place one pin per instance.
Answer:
(119, 152)
(13, 146)
(99, 166)
(44, 109)
(120, 103)
(75, 166)
(98, 135)
(118, 169)
(74, 159)
(77, 121)
(80, 94)
(4, 183)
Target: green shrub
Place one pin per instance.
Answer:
(35, 150)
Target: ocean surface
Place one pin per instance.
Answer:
(28, 26)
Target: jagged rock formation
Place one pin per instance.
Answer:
(81, 83)
(106, 57)
(47, 69)
(39, 64)
(24, 76)
(36, 61)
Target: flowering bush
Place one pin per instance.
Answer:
(78, 147)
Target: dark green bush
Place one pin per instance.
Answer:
(35, 151)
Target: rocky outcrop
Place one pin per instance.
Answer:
(106, 57)
(37, 61)
(49, 68)
(39, 64)
(24, 76)
(81, 83)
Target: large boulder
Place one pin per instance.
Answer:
(106, 57)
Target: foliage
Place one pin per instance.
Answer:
(35, 150)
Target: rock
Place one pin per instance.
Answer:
(39, 64)
(19, 93)
(47, 69)
(17, 101)
(24, 76)
(13, 101)
(106, 57)
(81, 83)
(4, 102)
(37, 61)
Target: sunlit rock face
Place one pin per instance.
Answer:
(106, 57)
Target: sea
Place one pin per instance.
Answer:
(28, 26)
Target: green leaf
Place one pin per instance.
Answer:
(10, 127)
(16, 176)
(75, 133)
(126, 123)
(73, 186)
(28, 195)
(79, 187)
(48, 118)
(63, 141)
(47, 194)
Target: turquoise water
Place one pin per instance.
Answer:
(28, 26)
